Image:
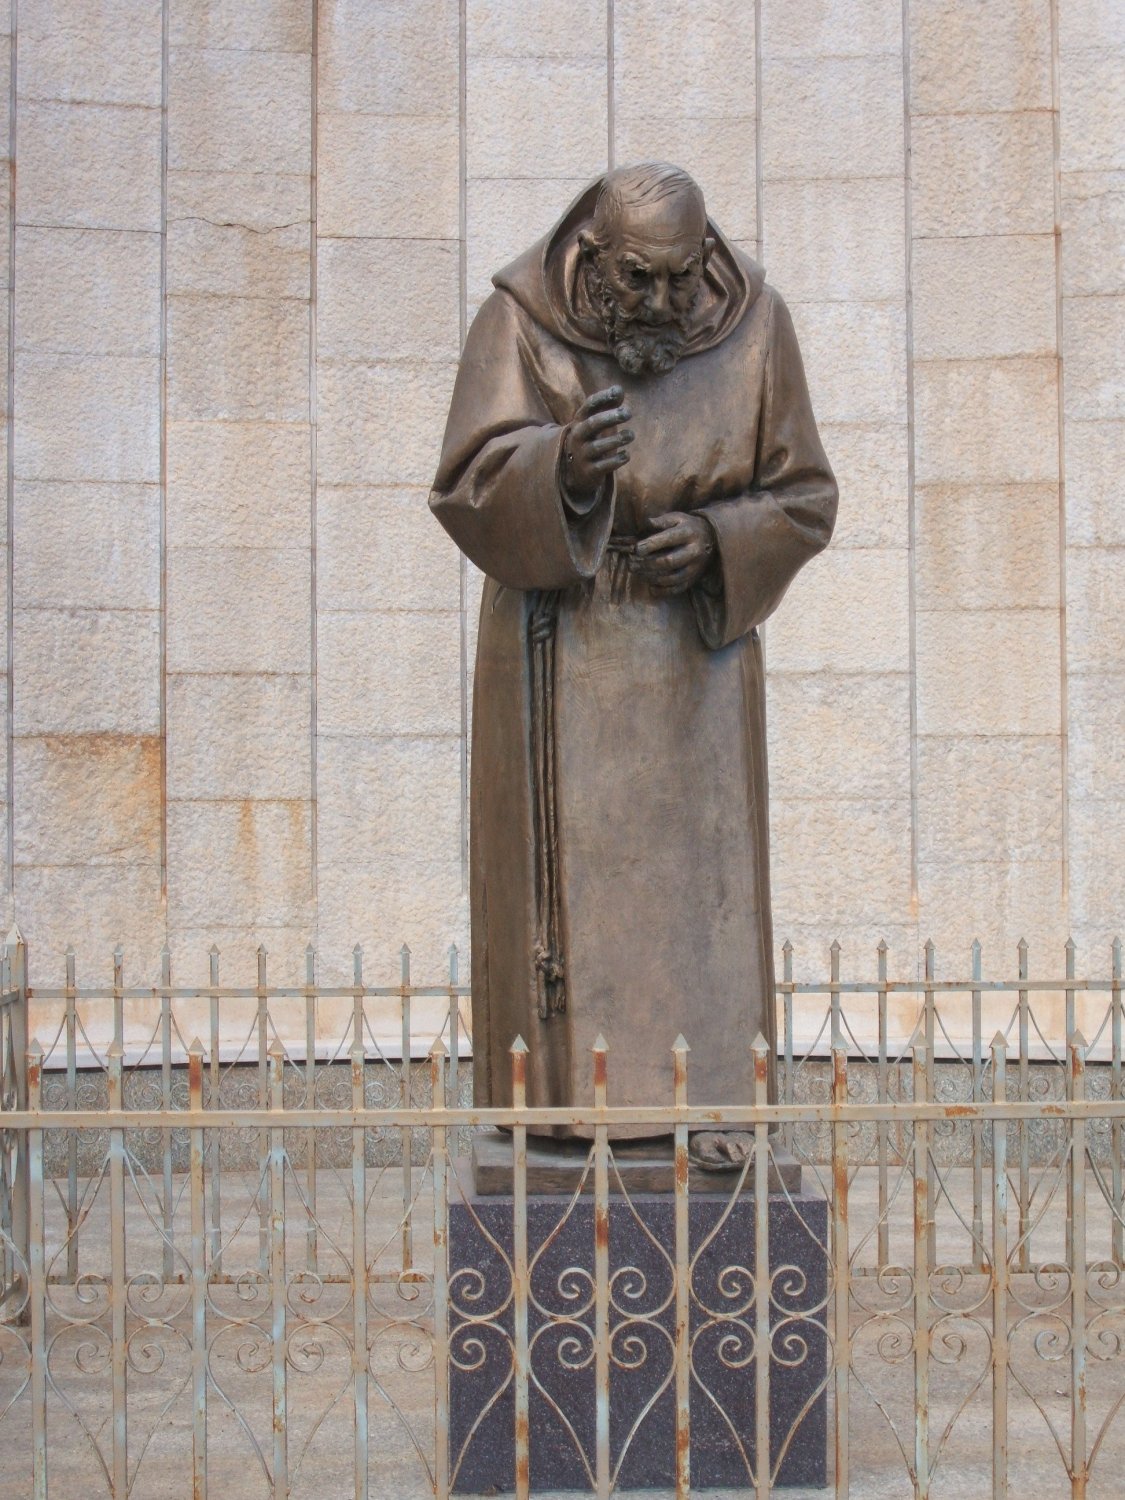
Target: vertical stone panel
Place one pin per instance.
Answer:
(239, 751)
(86, 500)
(1092, 164)
(989, 674)
(388, 594)
(839, 649)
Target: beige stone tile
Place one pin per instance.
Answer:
(541, 28)
(871, 464)
(93, 907)
(998, 902)
(1093, 239)
(855, 359)
(238, 609)
(87, 799)
(90, 166)
(1095, 619)
(839, 735)
(388, 299)
(88, 417)
(258, 25)
(982, 174)
(389, 674)
(243, 862)
(1095, 454)
(238, 484)
(356, 445)
(87, 671)
(699, 55)
(262, 200)
(1097, 875)
(387, 176)
(1094, 358)
(238, 110)
(95, 545)
(988, 672)
(984, 297)
(718, 152)
(237, 358)
(389, 803)
(524, 113)
(505, 216)
(986, 421)
(396, 58)
(1090, 120)
(837, 862)
(1096, 731)
(380, 911)
(239, 736)
(847, 611)
(235, 260)
(837, 241)
(979, 57)
(826, 28)
(832, 117)
(987, 546)
(104, 51)
(87, 291)
(1091, 23)
(382, 549)
(996, 798)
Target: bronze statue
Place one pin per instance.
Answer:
(631, 459)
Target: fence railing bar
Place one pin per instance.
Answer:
(407, 1135)
(276, 1268)
(931, 1091)
(682, 1352)
(978, 1253)
(882, 1128)
(601, 1280)
(1077, 1263)
(441, 1276)
(72, 1100)
(1117, 1092)
(118, 1304)
(37, 1279)
(311, 1247)
(841, 1290)
(520, 1288)
(215, 1101)
(168, 1206)
(1024, 1189)
(263, 1100)
(359, 1281)
(198, 1281)
(762, 1278)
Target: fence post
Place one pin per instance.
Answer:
(1071, 1025)
(1077, 1264)
(72, 1103)
(198, 1279)
(930, 1052)
(31, 1070)
(1116, 1092)
(215, 1102)
(1025, 1137)
(169, 1203)
(21, 1180)
(520, 1271)
(999, 1273)
(882, 1128)
(787, 1012)
(980, 1257)
(762, 1284)
(118, 1303)
(407, 1137)
(359, 1278)
(441, 1277)
(601, 1277)
(276, 1227)
(841, 1329)
(311, 1248)
(923, 1226)
(680, 1050)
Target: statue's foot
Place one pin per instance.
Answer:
(720, 1150)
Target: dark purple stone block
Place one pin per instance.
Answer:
(642, 1390)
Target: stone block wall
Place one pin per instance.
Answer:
(244, 240)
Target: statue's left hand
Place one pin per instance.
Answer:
(677, 554)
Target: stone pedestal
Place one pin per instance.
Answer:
(561, 1319)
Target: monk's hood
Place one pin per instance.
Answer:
(546, 281)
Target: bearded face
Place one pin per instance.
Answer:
(643, 275)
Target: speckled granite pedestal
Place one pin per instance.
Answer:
(722, 1322)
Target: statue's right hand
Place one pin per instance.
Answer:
(596, 442)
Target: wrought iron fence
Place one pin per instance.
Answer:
(278, 1281)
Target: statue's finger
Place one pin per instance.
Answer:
(610, 462)
(610, 444)
(662, 541)
(600, 421)
(609, 397)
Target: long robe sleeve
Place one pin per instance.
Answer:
(498, 490)
(767, 535)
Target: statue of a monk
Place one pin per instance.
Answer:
(631, 459)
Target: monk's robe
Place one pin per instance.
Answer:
(619, 837)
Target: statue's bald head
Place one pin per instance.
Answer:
(655, 200)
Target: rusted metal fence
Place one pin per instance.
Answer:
(258, 1279)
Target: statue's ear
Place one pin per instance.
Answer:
(708, 246)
